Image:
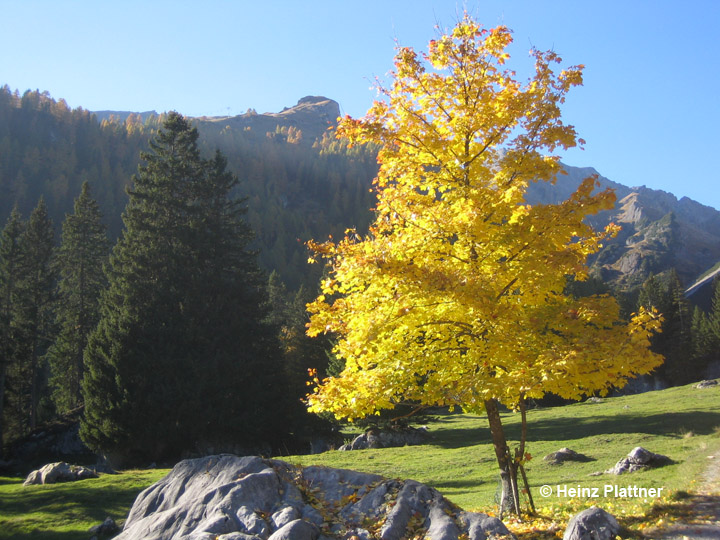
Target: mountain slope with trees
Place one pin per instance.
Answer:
(302, 183)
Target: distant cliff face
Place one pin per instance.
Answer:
(659, 231)
(313, 115)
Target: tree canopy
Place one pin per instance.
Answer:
(180, 360)
(80, 259)
(457, 294)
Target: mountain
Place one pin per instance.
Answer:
(313, 116)
(659, 232)
(301, 183)
(701, 292)
(122, 116)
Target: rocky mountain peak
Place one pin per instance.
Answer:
(309, 106)
(312, 115)
(659, 231)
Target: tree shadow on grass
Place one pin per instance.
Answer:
(46, 535)
(566, 429)
(457, 437)
(33, 511)
(701, 423)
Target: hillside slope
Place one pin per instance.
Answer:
(659, 232)
(301, 183)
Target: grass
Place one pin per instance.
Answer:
(67, 511)
(682, 423)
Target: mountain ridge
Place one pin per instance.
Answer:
(659, 231)
(301, 183)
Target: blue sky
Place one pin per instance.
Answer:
(649, 109)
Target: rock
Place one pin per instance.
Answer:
(639, 458)
(51, 443)
(106, 528)
(53, 473)
(706, 384)
(592, 524)
(296, 530)
(388, 438)
(565, 454)
(249, 498)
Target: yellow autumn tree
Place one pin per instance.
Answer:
(455, 296)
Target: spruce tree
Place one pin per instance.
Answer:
(713, 321)
(680, 365)
(83, 251)
(180, 359)
(675, 341)
(9, 273)
(31, 315)
(703, 342)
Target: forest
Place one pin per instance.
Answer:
(101, 260)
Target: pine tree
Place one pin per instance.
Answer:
(680, 367)
(675, 342)
(703, 342)
(180, 359)
(31, 318)
(713, 322)
(706, 331)
(82, 254)
(9, 272)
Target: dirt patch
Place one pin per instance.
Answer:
(701, 509)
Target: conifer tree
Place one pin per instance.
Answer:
(31, 317)
(180, 359)
(81, 256)
(9, 263)
(714, 316)
(703, 343)
(675, 341)
(706, 331)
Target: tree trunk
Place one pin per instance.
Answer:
(520, 452)
(33, 391)
(3, 371)
(509, 498)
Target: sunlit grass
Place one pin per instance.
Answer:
(67, 511)
(682, 423)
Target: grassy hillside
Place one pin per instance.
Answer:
(682, 423)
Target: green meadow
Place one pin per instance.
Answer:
(682, 423)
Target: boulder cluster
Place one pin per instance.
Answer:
(388, 438)
(249, 498)
(53, 473)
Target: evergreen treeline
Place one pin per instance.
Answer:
(49, 150)
(173, 345)
(690, 338)
(297, 188)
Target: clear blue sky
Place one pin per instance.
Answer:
(649, 109)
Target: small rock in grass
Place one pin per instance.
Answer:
(106, 528)
(563, 455)
(53, 473)
(639, 458)
(592, 524)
